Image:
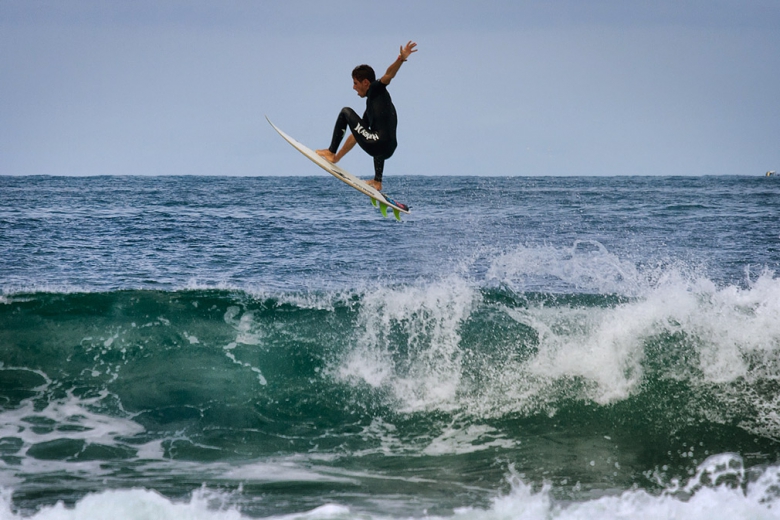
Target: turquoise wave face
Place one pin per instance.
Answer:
(389, 390)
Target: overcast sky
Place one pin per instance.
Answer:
(572, 87)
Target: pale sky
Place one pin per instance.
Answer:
(508, 88)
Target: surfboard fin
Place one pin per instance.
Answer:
(383, 209)
(374, 202)
(397, 214)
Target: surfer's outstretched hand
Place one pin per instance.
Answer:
(327, 155)
(407, 50)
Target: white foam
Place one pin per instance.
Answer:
(407, 341)
(18, 291)
(194, 284)
(454, 439)
(247, 333)
(287, 471)
(720, 490)
(472, 438)
(733, 333)
(67, 418)
(427, 374)
(132, 504)
(319, 300)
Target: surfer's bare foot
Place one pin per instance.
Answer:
(327, 155)
(375, 184)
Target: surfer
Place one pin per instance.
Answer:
(375, 131)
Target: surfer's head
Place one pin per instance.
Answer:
(362, 77)
(362, 72)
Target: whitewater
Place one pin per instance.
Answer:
(516, 348)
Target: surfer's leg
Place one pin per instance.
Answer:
(347, 118)
(383, 150)
(369, 141)
(379, 168)
(372, 142)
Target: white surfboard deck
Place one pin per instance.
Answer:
(377, 198)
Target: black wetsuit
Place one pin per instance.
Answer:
(375, 131)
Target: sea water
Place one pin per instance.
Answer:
(516, 348)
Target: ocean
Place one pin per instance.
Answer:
(272, 347)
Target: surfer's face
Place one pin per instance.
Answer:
(361, 87)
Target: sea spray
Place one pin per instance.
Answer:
(408, 340)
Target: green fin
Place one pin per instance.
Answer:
(397, 214)
(383, 208)
(373, 202)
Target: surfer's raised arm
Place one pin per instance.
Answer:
(392, 70)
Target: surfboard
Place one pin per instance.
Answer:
(378, 199)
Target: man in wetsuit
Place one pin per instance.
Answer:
(375, 131)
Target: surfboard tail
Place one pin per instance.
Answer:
(394, 202)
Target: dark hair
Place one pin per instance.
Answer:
(362, 72)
